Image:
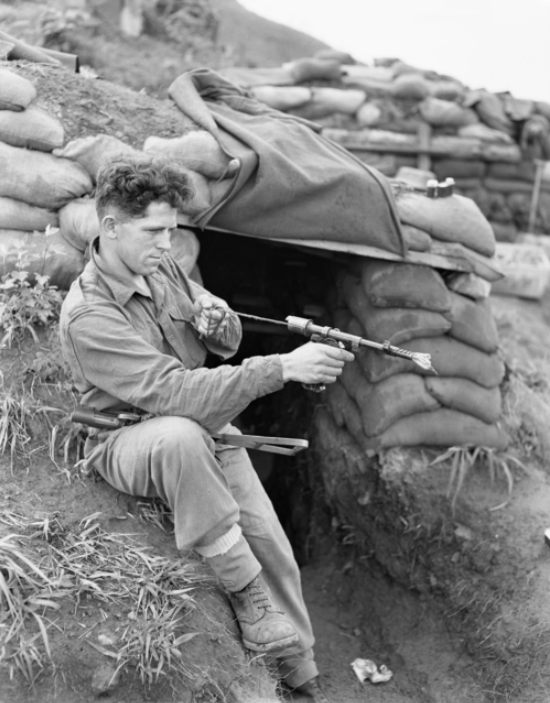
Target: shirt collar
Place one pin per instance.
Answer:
(121, 288)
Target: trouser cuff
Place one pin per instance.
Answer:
(296, 669)
(237, 567)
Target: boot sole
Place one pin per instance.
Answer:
(272, 646)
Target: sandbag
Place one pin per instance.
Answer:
(381, 404)
(389, 284)
(458, 168)
(543, 108)
(16, 92)
(416, 239)
(369, 115)
(311, 69)
(473, 323)
(78, 223)
(524, 171)
(415, 177)
(451, 219)
(31, 129)
(441, 428)
(485, 134)
(398, 325)
(185, 250)
(410, 86)
(442, 113)
(449, 358)
(490, 110)
(15, 214)
(342, 57)
(505, 232)
(198, 151)
(39, 254)
(446, 89)
(40, 179)
(326, 101)
(93, 152)
(282, 97)
(469, 284)
(501, 185)
(344, 411)
(466, 397)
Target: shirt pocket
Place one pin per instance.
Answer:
(183, 338)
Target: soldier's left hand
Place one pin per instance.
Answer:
(210, 315)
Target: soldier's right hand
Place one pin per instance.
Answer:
(314, 363)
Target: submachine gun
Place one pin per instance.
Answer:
(334, 337)
(276, 445)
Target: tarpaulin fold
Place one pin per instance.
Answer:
(292, 183)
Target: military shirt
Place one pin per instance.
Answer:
(127, 350)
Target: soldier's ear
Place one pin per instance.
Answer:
(109, 226)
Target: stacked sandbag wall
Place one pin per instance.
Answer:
(47, 209)
(34, 185)
(384, 401)
(367, 109)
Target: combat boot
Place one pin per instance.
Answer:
(264, 628)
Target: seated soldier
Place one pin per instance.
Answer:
(135, 331)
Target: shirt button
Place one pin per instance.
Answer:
(172, 336)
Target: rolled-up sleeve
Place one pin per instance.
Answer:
(113, 357)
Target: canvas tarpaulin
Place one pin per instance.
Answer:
(292, 183)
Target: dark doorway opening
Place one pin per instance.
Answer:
(273, 280)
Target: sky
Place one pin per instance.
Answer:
(500, 45)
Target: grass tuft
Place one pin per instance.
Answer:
(463, 459)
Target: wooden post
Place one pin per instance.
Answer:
(535, 196)
(423, 160)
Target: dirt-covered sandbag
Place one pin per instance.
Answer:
(33, 128)
(443, 113)
(282, 97)
(458, 168)
(198, 151)
(416, 239)
(473, 323)
(397, 325)
(390, 284)
(93, 152)
(78, 223)
(345, 412)
(16, 92)
(15, 214)
(441, 428)
(410, 86)
(484, 133)
(41, 254)
(39, 178)
(466, 397)
(382, 404)
(311, 69)
(452, 219)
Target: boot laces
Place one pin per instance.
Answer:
(259, 596)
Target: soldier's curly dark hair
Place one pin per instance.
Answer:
(130, 183)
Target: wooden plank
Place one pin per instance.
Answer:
(380, 141)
